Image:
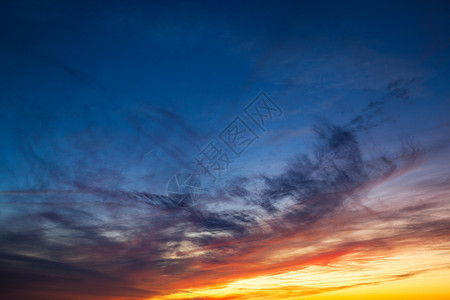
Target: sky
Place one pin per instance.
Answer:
(196, 150)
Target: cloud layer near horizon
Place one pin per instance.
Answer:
(113, 244)
(101, 105)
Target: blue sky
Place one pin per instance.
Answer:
(72, 68)
(101, 99)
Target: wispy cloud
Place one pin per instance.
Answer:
(260, 225)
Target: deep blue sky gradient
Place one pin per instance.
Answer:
(101, 100)
(72, 68)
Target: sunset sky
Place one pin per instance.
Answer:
(195, 150)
